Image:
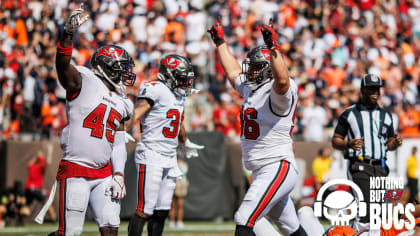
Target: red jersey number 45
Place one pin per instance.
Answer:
(95, 122)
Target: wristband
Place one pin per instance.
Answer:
(348, 144)
(68, 51)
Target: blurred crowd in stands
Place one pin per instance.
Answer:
(328, 45)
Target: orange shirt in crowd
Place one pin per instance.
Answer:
(334, 77)
(14, 128)
(174, 30)
(409, 123)
(21, 33)
(289, 16)
(46, 114)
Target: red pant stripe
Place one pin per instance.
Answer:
(141, 183)
(270, 192)
(62, 208)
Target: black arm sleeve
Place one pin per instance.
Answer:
(342, 125)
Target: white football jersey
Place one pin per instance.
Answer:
(160, 126)
(93, 116)
(266, 130)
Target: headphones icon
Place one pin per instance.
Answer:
(318, 203)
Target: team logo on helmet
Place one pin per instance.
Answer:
(114, 64)
(256, 68)
(177, 73)
(171, 62)
(266, 53)
(111, 52)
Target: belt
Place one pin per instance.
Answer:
(370, 161)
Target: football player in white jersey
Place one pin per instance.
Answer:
(267, 118)
(160, 106)
(94, 135)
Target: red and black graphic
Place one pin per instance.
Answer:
(111, 52)
(266, 53)
(171, 62)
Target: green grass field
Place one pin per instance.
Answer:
(90, 228)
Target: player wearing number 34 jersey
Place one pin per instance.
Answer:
(160, 108)
(267, 117)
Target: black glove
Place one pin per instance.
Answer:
(269, 36)
(216, 32)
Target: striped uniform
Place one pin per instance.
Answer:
(94, 114)
(375, 126)
(267, 149)
(155, 154)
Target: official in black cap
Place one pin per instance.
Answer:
(365, 133)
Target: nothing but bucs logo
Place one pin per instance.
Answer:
(171, 62)
(111, 52)
(340, 206)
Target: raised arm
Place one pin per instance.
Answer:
(278, 67)
(68, 75)
(140, 108)
(228, 62)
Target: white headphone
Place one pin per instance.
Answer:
(318, 203)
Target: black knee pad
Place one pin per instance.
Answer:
(135, 226)
(157, 222)
(299, 232)
(242, 230)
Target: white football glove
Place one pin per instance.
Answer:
(194, 91)
(129, 138)
(74, 21)
(116, 187)
(191, 149)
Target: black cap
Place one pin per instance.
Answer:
(371, 80)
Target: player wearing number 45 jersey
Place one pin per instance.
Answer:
(267, 116)
(94, 135)
(160, 106)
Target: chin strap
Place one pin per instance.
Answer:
(119, 87)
